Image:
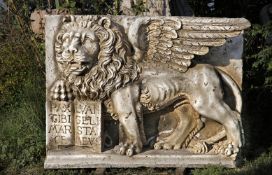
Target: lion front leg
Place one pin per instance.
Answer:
(127, 108)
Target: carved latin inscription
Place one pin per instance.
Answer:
(88, 124)
(60, 123)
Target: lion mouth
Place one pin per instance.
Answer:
(79, 68)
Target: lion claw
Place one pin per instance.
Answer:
(129, 152)
(157, 146)
(167, 146)
(164, 145)
(122, 150)
(126, 149)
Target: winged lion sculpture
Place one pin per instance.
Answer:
(146, 67)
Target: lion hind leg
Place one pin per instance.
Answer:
(219, 111)
(187, 119)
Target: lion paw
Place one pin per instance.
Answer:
(127, 149)
(199, 147)
(165, 145)
(225, 148)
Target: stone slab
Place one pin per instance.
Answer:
(83, 158)
(80, 129)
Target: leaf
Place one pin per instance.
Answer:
(72, 4)
(57, 4)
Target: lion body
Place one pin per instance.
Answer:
(159, 88)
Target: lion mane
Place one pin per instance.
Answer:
(115, 67)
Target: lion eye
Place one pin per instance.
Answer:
(76, 40)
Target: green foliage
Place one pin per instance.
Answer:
(22, 140)
(88, 6)
(139, 7)
(19, 52)
(67, 4)
(101, 7)
(21, 91)
(258, 52)
(257, 91)
(261, 166)
(209, 170)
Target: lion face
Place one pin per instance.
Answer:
(94, 57)
(78, 52)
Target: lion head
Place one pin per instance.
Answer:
(94, 56)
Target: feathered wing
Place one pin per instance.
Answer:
(175, 40)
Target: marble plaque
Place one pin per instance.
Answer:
(147, 88)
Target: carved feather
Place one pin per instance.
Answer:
(205, 34)
(175, 40)
(204, 42)
(196, 50)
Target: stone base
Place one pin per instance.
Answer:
(83, 158)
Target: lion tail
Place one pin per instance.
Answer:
(238, 98)
(235, 89)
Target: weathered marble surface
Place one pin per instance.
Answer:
(143, 72)
(70, 158)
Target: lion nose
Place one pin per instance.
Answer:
(72, 49)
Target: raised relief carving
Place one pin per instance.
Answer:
(144, 66)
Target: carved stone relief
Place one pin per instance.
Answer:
(141, 72)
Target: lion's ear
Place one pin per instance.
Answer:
(105, 22)
(68, 18)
